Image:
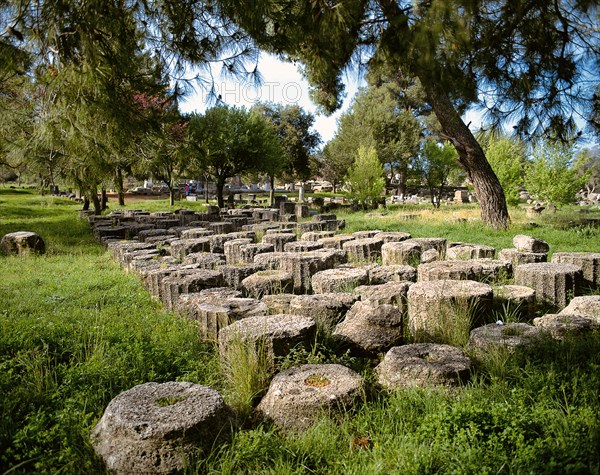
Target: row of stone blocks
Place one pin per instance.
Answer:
(183, 283)
(368, 318)
(259, 269)
(129, 224)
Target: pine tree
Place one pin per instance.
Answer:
(532, 57)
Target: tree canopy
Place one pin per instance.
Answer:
(228, 141)
(87, 62)
(299, 141)
(507, 157)
(533, 59)
(365, 179)
(528, 62)
(435, 166)
(552, 175)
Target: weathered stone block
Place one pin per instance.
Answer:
(327, 309)
(587, 306)
(183, 247)
(396, 236)
(232, 250)
(22, 243)
(335, 242)
(509, 336)
(339, 280)
(517, 258)
(470, 251)
(530, 244)
(435, 305)
(370, 328)
(423, 364)
(391, 273)
(301, 246)
(275, 334)
(401, 253)
(554, 284)
(267, 282)
(480, 270)
(249, 251)
(278, 240)
(363, 250)
(233, 275)
(297, 396)
(514, 301)
(188, 281)
(588, 261)
(392, 293)
(156, 428)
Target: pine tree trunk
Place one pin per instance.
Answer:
(489, 192)
(272, 191)
(104, 200)
(220, 185)
(96, 202)
(120, 187)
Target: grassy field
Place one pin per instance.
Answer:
(75, 331)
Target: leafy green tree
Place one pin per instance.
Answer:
(530, 56)
(395, 130)
(437, 162)
(365, 179)
(86, 77)
(90, 60)
(507, 158)
(334, 164)
(229, 141)
(299, 143)
(551, 175)
(375, 118)
(340, 152)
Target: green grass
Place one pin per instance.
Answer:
(555, 229)
(75, 331)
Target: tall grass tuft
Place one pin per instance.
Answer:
(452, 325)
(246, 369)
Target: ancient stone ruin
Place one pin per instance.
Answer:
(258, 276)
(22, 242)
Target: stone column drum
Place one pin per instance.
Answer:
(554, 283)
(588, 261)
(436, 303)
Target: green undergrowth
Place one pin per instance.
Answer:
(75, 331)
(538, 416)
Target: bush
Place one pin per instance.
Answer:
(365, 178)
(551, 175)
